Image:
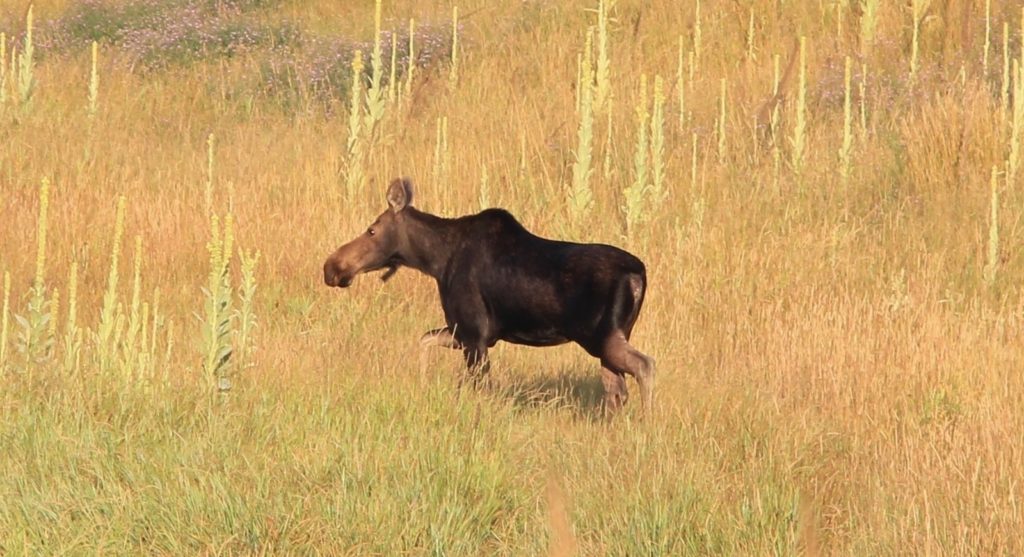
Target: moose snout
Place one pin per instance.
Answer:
(335, 276)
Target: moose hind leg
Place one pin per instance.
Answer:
(620, 357)
(615, 392)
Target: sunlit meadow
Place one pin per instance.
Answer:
(826, 194)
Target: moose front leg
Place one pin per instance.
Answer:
(440, 337)
(477, 362)
(436, 337)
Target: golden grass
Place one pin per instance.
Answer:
(835, 374)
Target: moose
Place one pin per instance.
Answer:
(498, 281)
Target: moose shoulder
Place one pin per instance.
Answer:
(498, 281)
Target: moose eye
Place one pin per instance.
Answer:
(371, 231)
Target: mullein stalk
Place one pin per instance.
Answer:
(917, 8)
(868, 22)
(840, 6)
(691, 68)
(94, 82)
(988, 38)
(602, 75)
(523, 160)
(579, 77)
(863, 101)
(51, 332)
(374, 94)
(436, 170)
(750, 35)
(34, 342)
(606, 169)
(658, 192)
(218, 323)
(168, 347)
(355, 103)
(208, 190)
(26, 64)
(392, 86)
(580, 196)
(109, 311)
(42, 226)
(157, 319)
(72, 334)
(484, 194)
(39, 283)
(773, 124)
(1016, 125)
(681, 86)
(130, 347)
(246, 314)
(992, 264)
(845, 151)
(441, 167)
(354, 172)
(1004, 90)
(453, 75)
(699, 203)
(412, 60)
(13, 71)
(799, 129)
(3, 70)
(4, 321)
(693, 163)
(721, 121)
(634, 194)
(142, 357)
(696, 37)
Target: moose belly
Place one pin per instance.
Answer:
(548, 337)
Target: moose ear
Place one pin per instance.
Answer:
(400, 194)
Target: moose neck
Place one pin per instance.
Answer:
(428, 243)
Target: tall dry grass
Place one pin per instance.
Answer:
(836, 373)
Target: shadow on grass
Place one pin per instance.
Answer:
(578, 391)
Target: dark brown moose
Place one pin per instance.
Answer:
(500, 282)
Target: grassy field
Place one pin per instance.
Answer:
(835, 297)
